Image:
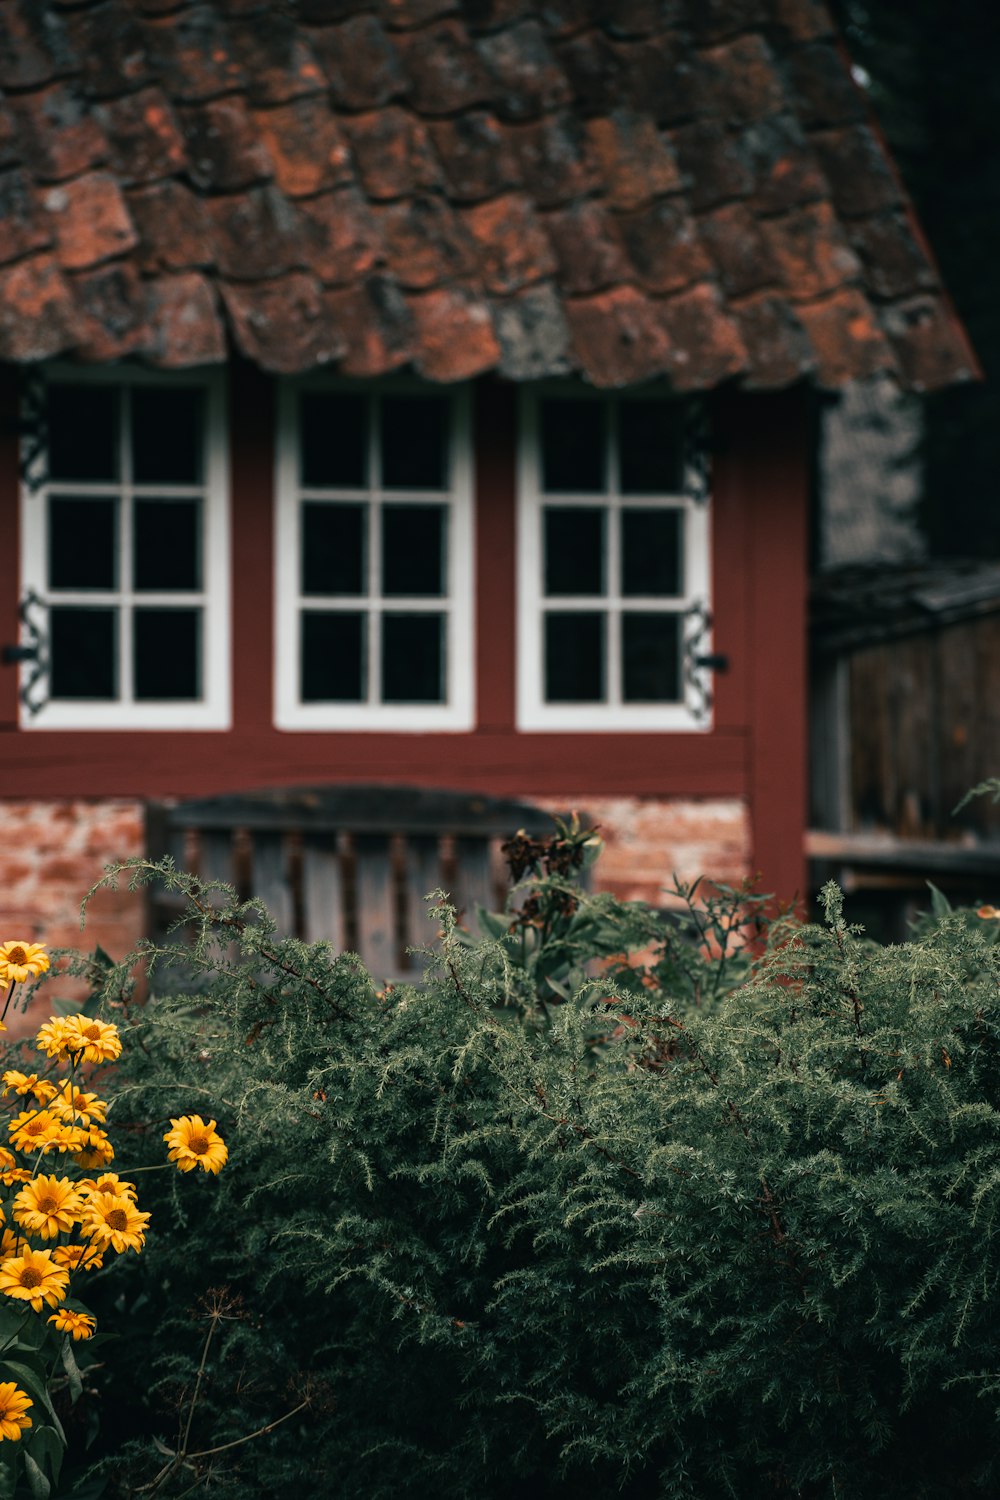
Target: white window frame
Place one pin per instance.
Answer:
(534, 714)
(213, 710)
(457, 712)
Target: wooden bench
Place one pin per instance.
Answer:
(347, 864)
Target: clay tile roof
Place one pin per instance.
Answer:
(691, 190)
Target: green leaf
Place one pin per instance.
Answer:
(46, 1449)
(940, 905)
(38, 1482)
(490, 924)
(72, 1369)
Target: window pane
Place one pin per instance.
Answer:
(166, 645)
(83, 431)
(652, 552)
(168, 429)
(413, 658)
(574, 657)
(166, 544)
(414, 442)
(83, 543)
(333, 657)
(650, 447)
(413, 540)
(334, 434)
(573, 446)
(334, 544)
(651, 658)
(84, 652)
(574, 549)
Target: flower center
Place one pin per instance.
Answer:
(92, 1033)
(30, 1278)
(117, 1219)
(36, 1127)
(16, 956)
(198, 1144)
(47, 1206)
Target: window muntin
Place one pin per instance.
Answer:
(124, 547)
(613, 565)
(374, 558)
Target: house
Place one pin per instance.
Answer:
(422, 391)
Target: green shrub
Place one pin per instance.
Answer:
(714, 1226)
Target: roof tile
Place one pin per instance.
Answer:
(856, 169)
(11, 150)
(374, 322)
(778, 350)
(588, 247)
(38, 316)
(743, 259)
(144, 137)
(477, 156)
(22, 225)
(445, 71)
(224, 150)
(821, 87)
(393, 153)
(744, 81)
(635, 160)
(714, 162)
(514, 250)
(714, 20)
(253, 234)
(115, 307)
(425, 242)
(185, 326)
(90, 220)
(634, 18)
(847, 341)
(455, 337)
(526, 78)
(663, 245)
(307, 149)
(111, 47)
(555, 159)
(617, 337)
(59, 137)
(34, 46)
(930, 350)
(802, 20)
(706, 346)
(337, 236)
(403, 14)
(809, 247)
(784, 167)
(533, 334)
(191, 51)
(276, 57)
(329, 12)
(282, 325)
(487, 15)
(893, 261)
(360, 62)
(173, 227)
(591, 66)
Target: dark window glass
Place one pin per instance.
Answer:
(649, 447)
(166, 544)
(168, 435)
(413, 549)
(574, 657)
(84, 655)
(334, 430)
(414, 442)
(652, 553)
(413, 658)
(573, 446)
(574, 549)
(333, 657)
(83, 432)
(334, 543)
(651, 658)
(166, 653)
(83, 537)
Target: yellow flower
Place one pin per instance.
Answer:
(27, 1083)
(21, 961)
(34, 1277)
(48, 1207)
(91, 1148)
(113, 1219)
(13, 1405)
(78, 1257)
(10, 1243)
(51, 1038)
(97, 1040)
(72, 1104)
(108, 1182)
(988, 913)
(80, 1325)
(33, 1128)
(194, 1144)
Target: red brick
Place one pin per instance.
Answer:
(526, 78)
(57, 135)
(90, 220)
(361, 64)
(337, 237)
(375, 325)
(393, 153)
(306, 146)
(444, 70)
(617, 337)
(223, 148)
(778, 350)
(254, 234)
(22, 226)
(455, 335)
(145, 139)
(635, 161)
(706, 347)
(477, 156)
(282, 325)
(173, 227)
(276, 57)
(185, 324)
(848, 343)
(513, 248)
(663, 246)
(588, 247)
(191, 53)
(811, 251)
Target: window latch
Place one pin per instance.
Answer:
(11, 655)
(716, 662)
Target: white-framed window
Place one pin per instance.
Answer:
(613, 564)
(125, 550)
(374, 558)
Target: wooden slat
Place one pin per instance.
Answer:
(473, 880)
(375, 906)
(323, 913)
(423, 875)
(270, 879)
